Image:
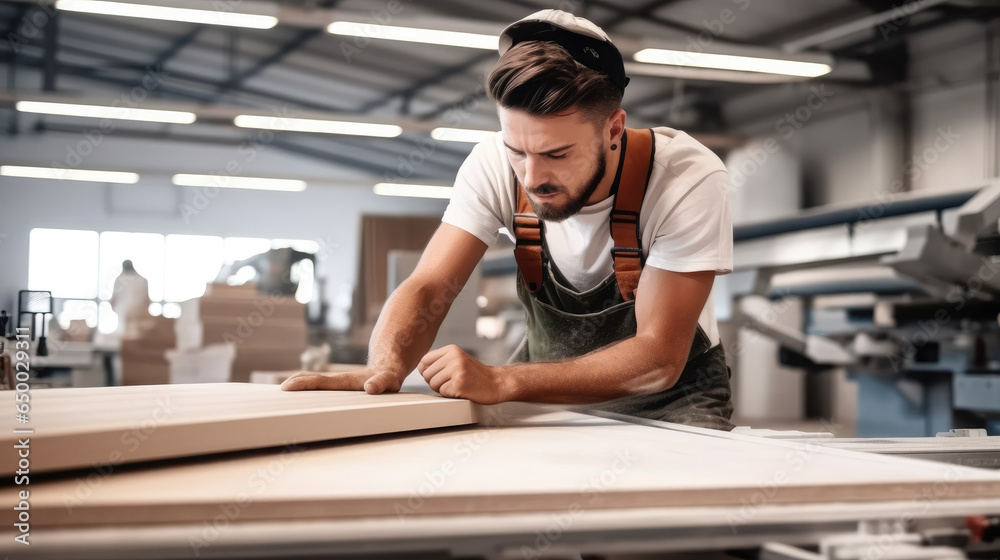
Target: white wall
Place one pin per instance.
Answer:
(854, 144)
(949, 149)
(847, 141)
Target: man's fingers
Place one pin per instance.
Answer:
(435, 381)
(300, 381)
(309, 380)
(429, 370)
(313, 380)
(431, 357)
(382, 383)
(447, 389)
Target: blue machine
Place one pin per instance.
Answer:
(924, 344)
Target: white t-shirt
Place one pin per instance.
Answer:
(685, 220)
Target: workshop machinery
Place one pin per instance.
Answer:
(903, 292)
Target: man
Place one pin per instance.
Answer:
(619, 236)
(130, 299)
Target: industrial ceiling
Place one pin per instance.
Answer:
(298, 68)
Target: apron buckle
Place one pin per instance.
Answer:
(629, 252)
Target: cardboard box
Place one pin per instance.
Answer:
(137, 372)
(249, 360)
(254, 308)
(264, 332)
(154, 330)
(136, 350)
(211, 364)
(219, 363)
(143, 355)
(271, 377)
(225, 290)
(283, 334)
(78, 331)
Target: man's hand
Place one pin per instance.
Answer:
(367, 380)
(453, 373)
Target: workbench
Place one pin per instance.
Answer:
(527, 481)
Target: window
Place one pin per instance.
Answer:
(239, 248)
(80, 267)
(192, 261)
(64, 262)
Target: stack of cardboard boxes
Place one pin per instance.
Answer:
(143, 352)
(267, 332)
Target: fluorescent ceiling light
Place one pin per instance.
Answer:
(420, 191)
(415, 35)
(230, 182)
(461, 134)
(69, 174)
(187, 15)
(732, 62)
(707, 74)
(98, 112)
(321, 126)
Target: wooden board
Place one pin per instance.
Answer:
(555, 462)
(87, 427)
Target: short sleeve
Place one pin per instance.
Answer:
(475, 202)
(696, 232)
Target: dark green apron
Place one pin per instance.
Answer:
(563, 324)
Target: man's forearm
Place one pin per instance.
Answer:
(407, 325)
(638, 365)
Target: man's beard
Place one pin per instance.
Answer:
(553, 213)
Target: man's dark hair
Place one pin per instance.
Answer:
(542, 78)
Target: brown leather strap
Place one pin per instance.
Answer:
(529, 239)
(627, 252)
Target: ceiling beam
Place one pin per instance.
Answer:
(300, 39)
(321, 112)
(665, 22)
(622, 16)
(819, 38)
(365, 163)
(181, 42)
(142, 69)
(215, 85)
(876, 5)
(644, 11)
(443, 156)
(224, 115)
(91, 73)
(814, 24)
(176, 47)
(50, 68)
(619, 11)
(303, 18)
(409, 92)
(635, 105)
(11, 26)
(443, 108)
(949, 15)
(311, 152)
(483, 11)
